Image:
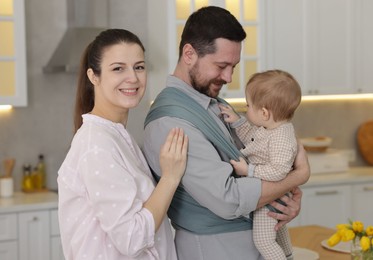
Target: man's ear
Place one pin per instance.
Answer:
(189, 54)
(92, 77)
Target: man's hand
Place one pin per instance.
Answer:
(290, 211)
(301, 164)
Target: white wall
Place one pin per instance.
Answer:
(157, 51)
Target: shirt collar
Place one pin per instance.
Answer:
(200, 98)
(97, 119)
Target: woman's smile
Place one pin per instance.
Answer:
(129, 91)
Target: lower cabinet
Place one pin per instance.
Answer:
(8, 237)
(326, 206)
(8, 250)
(56, 249)
(31, 235)
(336, 204)
(56, 246)
(362, 201)
(34, 235)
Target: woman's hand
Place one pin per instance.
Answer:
(173, 155)
(172, 159)
(290, 211)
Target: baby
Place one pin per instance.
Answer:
(270, 147)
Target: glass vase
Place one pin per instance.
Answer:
(357, 253)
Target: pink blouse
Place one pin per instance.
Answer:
(102, 186)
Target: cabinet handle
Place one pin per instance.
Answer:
(330, 192)
(368, 189)
(35, 219)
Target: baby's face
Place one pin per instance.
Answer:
(253, 114)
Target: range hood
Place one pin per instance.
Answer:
(86, 19)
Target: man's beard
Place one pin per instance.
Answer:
(204, 87)
(193, 75)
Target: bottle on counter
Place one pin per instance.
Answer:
(27, 183)
(37, 180)
(42, 172)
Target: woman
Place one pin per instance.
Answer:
(109, 206)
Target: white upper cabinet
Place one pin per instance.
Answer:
(13, 76)
(323, 43)
(284, 43)
(363, 47)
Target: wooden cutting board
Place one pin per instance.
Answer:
(365, 141)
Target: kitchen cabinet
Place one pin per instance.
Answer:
(57, 253)
(34, 232)
(334, 198)
(29, 227)
(8, 250)
(13, 76)
(363, 50)
(361, 204)
(326, 206)
(56, 246)
(324, 44)
(8, 237)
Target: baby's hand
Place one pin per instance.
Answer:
(229, 115)
(240, 167)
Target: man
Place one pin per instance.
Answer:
(211, 209)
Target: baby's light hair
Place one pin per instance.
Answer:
(275, 90)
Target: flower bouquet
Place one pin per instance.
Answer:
(361, 239)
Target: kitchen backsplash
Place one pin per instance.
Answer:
(338, 119)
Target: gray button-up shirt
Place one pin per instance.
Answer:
(208, 179)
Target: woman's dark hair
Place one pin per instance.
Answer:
(91, 58)
(207, 24)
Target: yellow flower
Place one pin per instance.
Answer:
(369, 231)
(342, 231)
(357, 226)
(365, 243)
(354, 231)
(342, 226)
(347, 235)
(334, 239)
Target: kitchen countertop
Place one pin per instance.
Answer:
(28, 202)
(354, 175)
(49, 200)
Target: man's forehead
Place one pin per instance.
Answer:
(227, 52)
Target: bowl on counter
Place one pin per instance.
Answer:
(316, 144)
